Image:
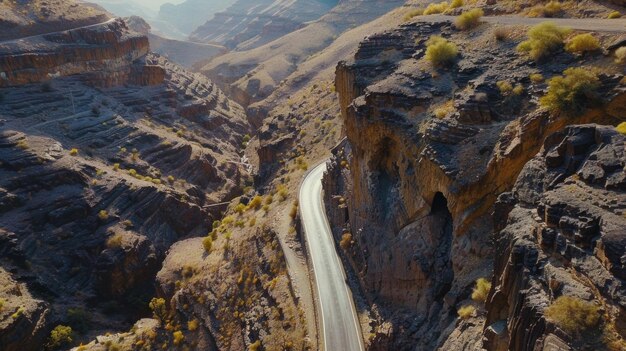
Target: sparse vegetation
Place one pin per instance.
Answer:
(444, 109)
(435, 8)
(255, 346)
(207, 243)
(572, 92)
(440, 51)
(572, 314)
(551, 9)
(18, 313)
(466, 311)
(456, 3)
(621, 128)
(177, 337)
(582, 43)
(103, 215)
(2, 302)
(413, 13)
(193, 324)
(115, 241)
(536, 78)
(543, 39)
(22, 144)
(74, 152)
(159, 310)
(60, 337)
(614, 15)
(501, 33)
(481, 291)
(518, 90)
(255, 203)
(346, 241)
(620, 55)
(504, 87)
(468, 20)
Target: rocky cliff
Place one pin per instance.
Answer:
(249, 24)
(561, 232)
(108, 155)
(251, 74)
(415, 191)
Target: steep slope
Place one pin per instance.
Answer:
(560, 232)
(249, 24)
(43, 16)
(413, 192)
(185, 53)
(106, 160)
(190, 14)
(253, 75)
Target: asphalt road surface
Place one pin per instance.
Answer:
(337, 314)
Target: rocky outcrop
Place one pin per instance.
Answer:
(103, 166)
(249, 24)
(20, 19)
(563, 235)
(419, 189)
(102, 54)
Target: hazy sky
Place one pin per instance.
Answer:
(155, 4)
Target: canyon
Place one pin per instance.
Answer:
(156, 193)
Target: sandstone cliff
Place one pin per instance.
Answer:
(414, 192)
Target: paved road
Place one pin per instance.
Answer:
(338, 319)
(590, 24)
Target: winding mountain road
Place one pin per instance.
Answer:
(337, 314)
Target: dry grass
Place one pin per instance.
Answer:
(468, 20)
(481, 291)
(572, 314)
(572, 92)
(582, 43)
(435, 8)
(466, 311)
(620, 55)
(543, 39)
(440, 51)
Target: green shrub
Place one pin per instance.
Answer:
(614, 15)
(440, 52)
(466, 311)
(481, 291)
(468, 20)
(61, 336)
(583, 43)
(435, 8)
(572, 314)
(572, 92)
(543, 39)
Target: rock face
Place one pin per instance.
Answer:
(419, 190)
(251, 74)
(104, 164)
(20, 19)
(103, 54)
(561, 231)
(249, 24)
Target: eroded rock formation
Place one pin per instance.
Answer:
(416, 191)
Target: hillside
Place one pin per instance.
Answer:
(252, 75)
(249, 24)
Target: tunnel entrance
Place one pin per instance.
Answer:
(442, 218)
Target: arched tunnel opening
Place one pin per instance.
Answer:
(443, 263)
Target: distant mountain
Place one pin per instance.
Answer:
(125, 8)
(187, 16)
(251, 23)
